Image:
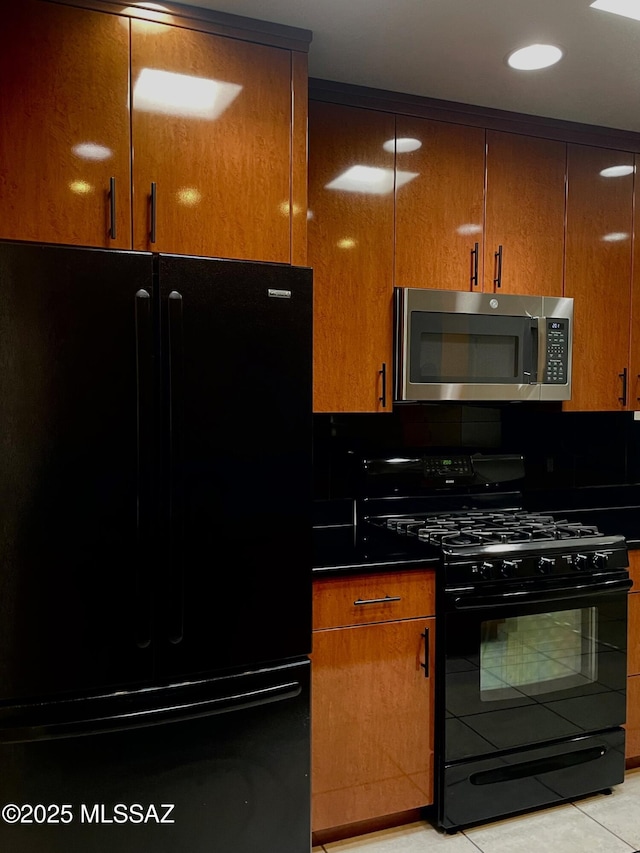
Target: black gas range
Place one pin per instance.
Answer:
(493, 546)
(530, 634)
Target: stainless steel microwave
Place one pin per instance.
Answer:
(451, 345)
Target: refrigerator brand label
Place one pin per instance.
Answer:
(279, 294)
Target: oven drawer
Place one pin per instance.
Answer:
(531, 778)
(363, 599)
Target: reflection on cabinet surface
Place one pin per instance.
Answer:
(211, 124)
(439, 204)
(598, 275)
(350, 229)
(64, 126)
(525, 208)
(372, 733)
(217, 153)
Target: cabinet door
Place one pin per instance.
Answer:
(64, 126)
(598, 274)
(634, 361)
(212, 133)
(372, 713)
(525, 206)
(439, 204)
(351, 180)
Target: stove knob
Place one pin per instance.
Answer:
(580, 561)
(600, 560)
(546, 564)
(484, 570)
(508, 568)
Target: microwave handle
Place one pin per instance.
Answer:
(532, 346)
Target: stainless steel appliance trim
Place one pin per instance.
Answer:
(408, 299)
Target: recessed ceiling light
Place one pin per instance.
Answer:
(626, 8)
(535, 56)
(617, 171)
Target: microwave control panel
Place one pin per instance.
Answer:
(557, 357)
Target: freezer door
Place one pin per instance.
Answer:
(237, 349)
(216, 766)
(75, 364)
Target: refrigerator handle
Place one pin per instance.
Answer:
(144, 489)
(131, 719)
(176, 409)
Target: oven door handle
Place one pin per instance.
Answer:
(508, 599)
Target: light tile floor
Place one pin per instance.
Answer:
(598, 824)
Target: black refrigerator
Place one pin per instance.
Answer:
(155, 552)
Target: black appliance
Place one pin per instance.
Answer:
(155, 624)
(530, 636)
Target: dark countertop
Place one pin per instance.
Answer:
(338, 550)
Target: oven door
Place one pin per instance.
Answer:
(533, 699)
(523, 668)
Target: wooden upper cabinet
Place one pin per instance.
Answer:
(634, 356)
(212, 134)
(525, 210)
(439, 204)
(64, 125)
(598, 275)
(350, 230)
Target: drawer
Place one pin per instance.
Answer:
(362, 599)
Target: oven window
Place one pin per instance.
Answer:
(542, 653)
(468, 358)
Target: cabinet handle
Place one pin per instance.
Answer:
(383, 373)
(623, 376)
(498, 279)
(425, 665)
(384, 600)
(154, 210)
(474, 260)
(112, 208)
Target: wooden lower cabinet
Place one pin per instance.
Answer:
(372, 707)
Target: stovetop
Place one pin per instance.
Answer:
(472, 523)
(453, 530)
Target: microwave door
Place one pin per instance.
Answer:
(458, 356)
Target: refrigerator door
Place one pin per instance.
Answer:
(75, 368)
(236, 351)
(220, 765)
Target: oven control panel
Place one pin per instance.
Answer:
(448, 469)
(607, 554)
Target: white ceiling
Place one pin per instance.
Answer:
(455, 50)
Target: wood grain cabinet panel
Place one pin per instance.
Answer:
(634, 355)
(372, 721)
(350, 247)
(632, 726)
(211, 125)
(372, 598)
(64, 125)
(439, 204)
(598, 275)
(524, 220)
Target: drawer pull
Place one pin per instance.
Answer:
(377, 600)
